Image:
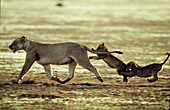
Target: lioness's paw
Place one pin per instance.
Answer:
(14, 81)
(57, 79)
(101, 80)
(62, 82)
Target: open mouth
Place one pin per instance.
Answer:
(14, 50)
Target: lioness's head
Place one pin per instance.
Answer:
(18, 44)
(102, 48)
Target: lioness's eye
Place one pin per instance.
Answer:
(15, 42)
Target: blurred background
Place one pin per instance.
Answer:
(132, 26)
(138, 28)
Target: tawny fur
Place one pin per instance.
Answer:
(58, 54)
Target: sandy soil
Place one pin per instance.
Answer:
(140, 29)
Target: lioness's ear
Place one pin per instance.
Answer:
(23, 38)
(93, 49)
(102, 44)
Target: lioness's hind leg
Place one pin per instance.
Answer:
(94, 70)
(49, 73)
(86, 64)
(72, 67)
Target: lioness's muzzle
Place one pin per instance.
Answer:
(14, 50)
(10, 47)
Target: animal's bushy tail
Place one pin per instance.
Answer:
(97, 52)
(166, 58)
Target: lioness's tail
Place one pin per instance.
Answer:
(166, 58)
(119, 52)
(97, 52)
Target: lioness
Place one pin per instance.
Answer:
(60, 54)
(134, 69)
(111, 60)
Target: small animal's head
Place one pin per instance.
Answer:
(18, 44)
(102, 48)
(131, 66)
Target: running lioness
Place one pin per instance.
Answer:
(59, 54)
(134, 69)
(111, 60)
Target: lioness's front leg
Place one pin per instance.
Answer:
(30, 59)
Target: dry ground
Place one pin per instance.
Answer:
(140, 29)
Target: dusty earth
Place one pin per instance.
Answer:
(140, 29)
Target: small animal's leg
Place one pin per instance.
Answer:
(155, 78)
(125, 74)
(94, 57)
(49, 73)
(72, 67)
(125, 79)
(30, 59)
